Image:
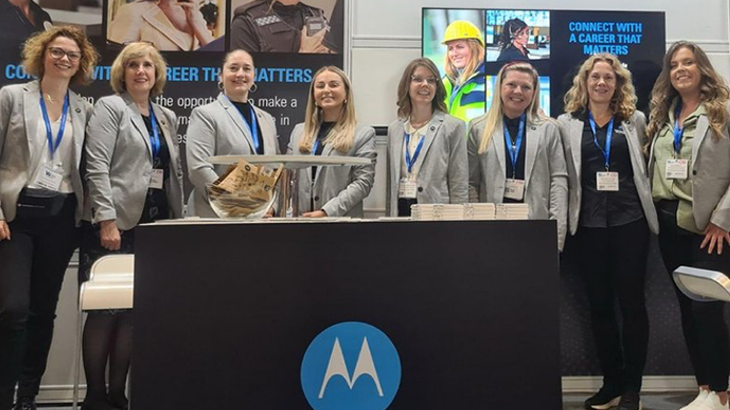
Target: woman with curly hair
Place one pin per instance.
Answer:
(42, 127)
(611, 215)
(690, 179)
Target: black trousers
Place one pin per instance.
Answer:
(703, 323)
(613, 263)
(32, 267)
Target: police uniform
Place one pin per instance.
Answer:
(258, 27)
(16, 26)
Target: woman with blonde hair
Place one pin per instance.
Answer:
(515, 153)
(134, 176)
(168, 25)
(611, 213)
(465, 80)
(690, 175)
(42, 127)
(426, 147)
(330, 128)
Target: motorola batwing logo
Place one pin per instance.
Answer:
(351, 366)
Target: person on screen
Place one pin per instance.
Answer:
(513, 41)
(41, 201)
(19, 20)
(690, 174)
(134, 176)
(611, 217)
(279, 26)
(465, 80)
(515, 152)
(426, 147)
(230, 125)
(167, 24)
(330, 129)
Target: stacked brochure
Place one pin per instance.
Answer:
(511, 212)
(469, 212)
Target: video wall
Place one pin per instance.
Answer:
(471, 45)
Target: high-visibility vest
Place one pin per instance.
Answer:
(470, 100)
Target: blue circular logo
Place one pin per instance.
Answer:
(351, 366)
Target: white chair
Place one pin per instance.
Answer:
(110, 286)
(702, 285)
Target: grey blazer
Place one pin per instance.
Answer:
(571, 131)
(710, 175)
(19, 113)
(119, 161)
(546, 176)
(218, 129)
(444, 174)
(338, 190)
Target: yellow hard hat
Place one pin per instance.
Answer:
(462, 30)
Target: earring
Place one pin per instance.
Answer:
(253, 88)
(220, 86)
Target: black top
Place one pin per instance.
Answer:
(511, 53)
(518, 172)
(260, 27)
(602, 209)
(156, 205)
(16, 27)
(324, 129)
(245, 109)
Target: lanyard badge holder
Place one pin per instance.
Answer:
(515, 188)
(49, 177)
(253, 129)
(677, 168)
(408, 187)
(157, 178)
(605, 181)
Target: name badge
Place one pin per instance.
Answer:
(607, 181)
(48, 178)
(407, 188)
(157, 178)
(514, 189)
(677, 169)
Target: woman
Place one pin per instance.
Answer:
(41, 201)
(167, 24)
(330, 128)
(513, 41)
(134, 176)
(465, 80)
(426, 147)
(231, 125)
(515, 153)
(611, 214)
(691, 187)
(279, 26)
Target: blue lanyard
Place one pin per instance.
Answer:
(609, 137)
(410, 161)
(253, 129)
(155, 137)
(315, 147)
(514, 150)
(53, 146)
(678, 131)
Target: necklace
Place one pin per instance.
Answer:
(50, 99)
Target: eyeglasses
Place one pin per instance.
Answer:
(57, 53)
(420, 80)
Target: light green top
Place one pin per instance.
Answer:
(676, 189)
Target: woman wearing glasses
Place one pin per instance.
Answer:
(42, 127)
(426, 147)
(134, 176)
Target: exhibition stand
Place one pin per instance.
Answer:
(225, 313)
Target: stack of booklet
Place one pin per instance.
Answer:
(511, 212)
(437, 212)
(479, 212)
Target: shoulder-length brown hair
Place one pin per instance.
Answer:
(624, 98)
(137, 50)
(404, 98)
(714, 91)
(342, 134)
(34, 52)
